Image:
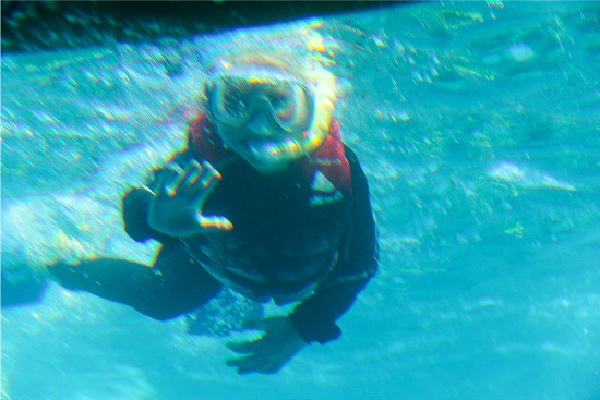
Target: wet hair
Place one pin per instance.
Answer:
(260, 57)
(309, 71)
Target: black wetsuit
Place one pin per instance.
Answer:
(281, 244)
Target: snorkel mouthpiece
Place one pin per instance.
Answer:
(288, 149)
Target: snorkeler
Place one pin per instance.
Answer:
(264, 199)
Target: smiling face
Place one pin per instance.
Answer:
(262, 143)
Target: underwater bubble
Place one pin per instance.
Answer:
(521, 52)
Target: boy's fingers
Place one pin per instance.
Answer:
(220, 223)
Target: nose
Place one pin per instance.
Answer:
(261, 124)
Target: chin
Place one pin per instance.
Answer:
(266, 167)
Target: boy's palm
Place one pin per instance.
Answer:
(177, 207)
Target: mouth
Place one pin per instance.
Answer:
(270, 151)
(262, 148)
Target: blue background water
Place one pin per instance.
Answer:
(478, 127)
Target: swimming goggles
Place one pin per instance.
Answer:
(233, 100)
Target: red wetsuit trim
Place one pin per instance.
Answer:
(205, 143)
(329, 159)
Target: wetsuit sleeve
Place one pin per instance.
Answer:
(136, 202)
(315, 317)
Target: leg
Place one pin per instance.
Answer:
(175, 285)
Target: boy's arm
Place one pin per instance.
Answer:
(136, 203)
(315, 317)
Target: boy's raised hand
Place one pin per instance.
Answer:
(180, 195)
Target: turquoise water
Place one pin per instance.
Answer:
(478, 127)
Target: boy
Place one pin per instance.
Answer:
(265, 199)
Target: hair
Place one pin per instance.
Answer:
(258, 56)
(297, 49)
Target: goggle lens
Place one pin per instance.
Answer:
(233, 101)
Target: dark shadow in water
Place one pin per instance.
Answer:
(34, 25)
